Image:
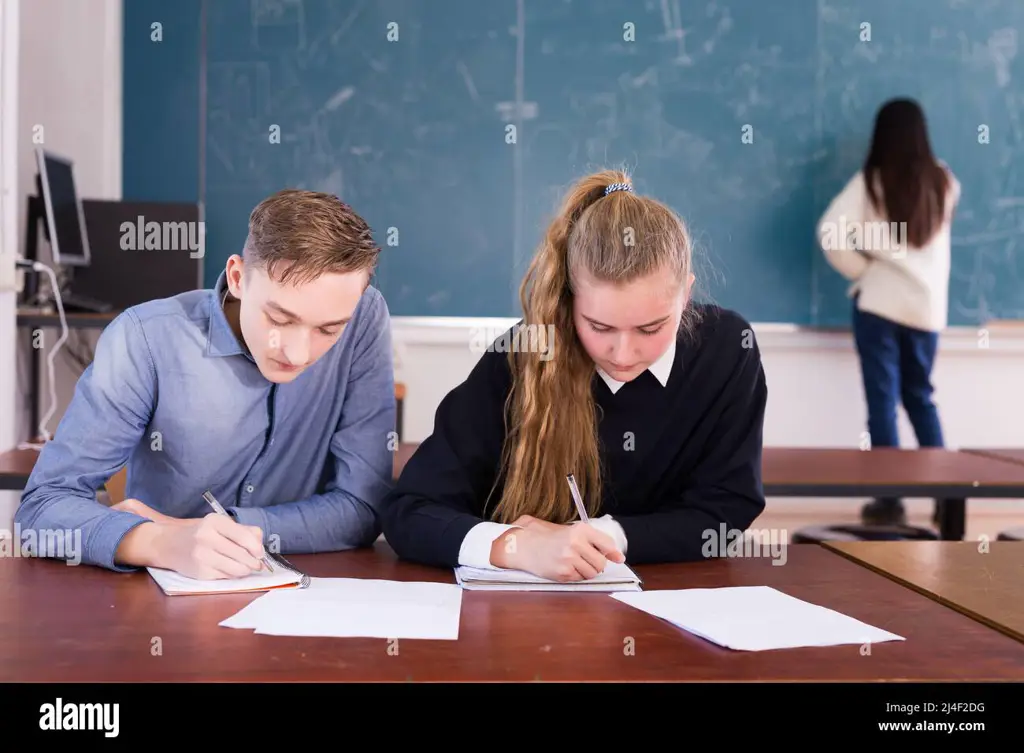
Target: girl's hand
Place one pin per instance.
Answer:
(561, 553)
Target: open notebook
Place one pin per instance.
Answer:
(175, 584)
(616, 577)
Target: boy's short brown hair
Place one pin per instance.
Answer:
(309, 233)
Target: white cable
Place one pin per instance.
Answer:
(40, 267)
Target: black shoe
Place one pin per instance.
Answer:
(884, 512)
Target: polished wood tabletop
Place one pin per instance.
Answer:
(927, 470)
(16, 467)
(46, 317)
(81, 624)
(982, 579)
(1008, 454)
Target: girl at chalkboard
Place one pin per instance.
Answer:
(888, 232)
(654, 403)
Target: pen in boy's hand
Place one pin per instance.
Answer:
(217, 508)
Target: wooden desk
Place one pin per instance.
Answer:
(946, 475)
(85, 624)
(15, 468)
(986, 585)
(405, 451)
(1009, 455)
(44, 318)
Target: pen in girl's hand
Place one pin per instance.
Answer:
(577, 498)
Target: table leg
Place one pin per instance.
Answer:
(952, 519)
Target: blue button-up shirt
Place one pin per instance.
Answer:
(173, 394)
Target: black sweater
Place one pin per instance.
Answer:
(693, 460)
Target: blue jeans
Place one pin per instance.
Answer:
(896, 365)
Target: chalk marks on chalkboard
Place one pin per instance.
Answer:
(467, 79)
(377, 122)
(339, 98)
(276, 22)
(243, 90)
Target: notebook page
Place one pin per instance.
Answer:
(754, 618)
(174, 583)
(580, 586)
(614, 572)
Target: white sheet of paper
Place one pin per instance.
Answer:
(616, 577)
(174, 584)
(754, 618)
(356, 608)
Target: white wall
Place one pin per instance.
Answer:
(69, 84)
(9, 244)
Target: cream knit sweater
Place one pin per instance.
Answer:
(895, 281)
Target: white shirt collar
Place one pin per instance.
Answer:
(661, 369)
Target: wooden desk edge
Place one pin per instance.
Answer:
(993, 454)
(839, 548)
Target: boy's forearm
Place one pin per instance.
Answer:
(329, 522)
(69, 527)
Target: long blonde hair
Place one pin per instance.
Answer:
(551, 416)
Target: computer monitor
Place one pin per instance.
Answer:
(69, 241)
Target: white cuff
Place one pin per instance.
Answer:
(476, 547)
(607, 524)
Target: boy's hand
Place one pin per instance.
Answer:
(137, 507)
(214, 547)
(211, 548)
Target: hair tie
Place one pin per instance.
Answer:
(618, 187)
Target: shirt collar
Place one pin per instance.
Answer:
(661, 369)
(221, 340)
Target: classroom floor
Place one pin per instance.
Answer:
(984, 517)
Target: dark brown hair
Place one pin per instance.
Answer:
(297, 235)
(913, 183)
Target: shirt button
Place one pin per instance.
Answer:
(249, 488)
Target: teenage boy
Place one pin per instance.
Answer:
(274, 391)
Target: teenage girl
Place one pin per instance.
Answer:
(889, 233)
(654, 403)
